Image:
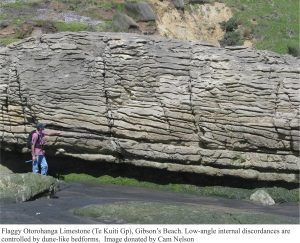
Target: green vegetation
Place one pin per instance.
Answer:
(22, 32)
(200, 1)
(46, 25)
(275, 23)
(270, 24)
(14, 5)
(70, 26)
(172, 213)
(79, 5)
(112, 5)
(8, 40)
(21, 15)
(231, 38)
(280, 195)
(294, 51)
(230, 25)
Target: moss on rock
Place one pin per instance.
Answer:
(172, 213)
(26, 186)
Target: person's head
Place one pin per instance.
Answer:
(40, 126)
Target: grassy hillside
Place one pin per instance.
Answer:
(273, 23)
(270, 24)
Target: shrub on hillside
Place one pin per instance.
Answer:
(294, 51)
(230, 25)
(46, 25)
(248, 33)
(23, 31)
(199, 1)
(231, 39)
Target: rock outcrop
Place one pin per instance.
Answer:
(153, 102)
(141, 10)
(192, 21)
(124, 23)
(262, 197)
(24, 186)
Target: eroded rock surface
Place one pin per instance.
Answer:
(153, 102)
(24, 186)
(262, 197)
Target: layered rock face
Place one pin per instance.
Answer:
(152, 102)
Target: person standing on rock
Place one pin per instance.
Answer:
(38, 154)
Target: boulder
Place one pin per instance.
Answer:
(3, 24)
(124, 23)
(262, 197)
(141, 11)
(173, 105)
(179, 4)
(26, 186)
(4, 170)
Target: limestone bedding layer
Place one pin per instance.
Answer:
(174, 105)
